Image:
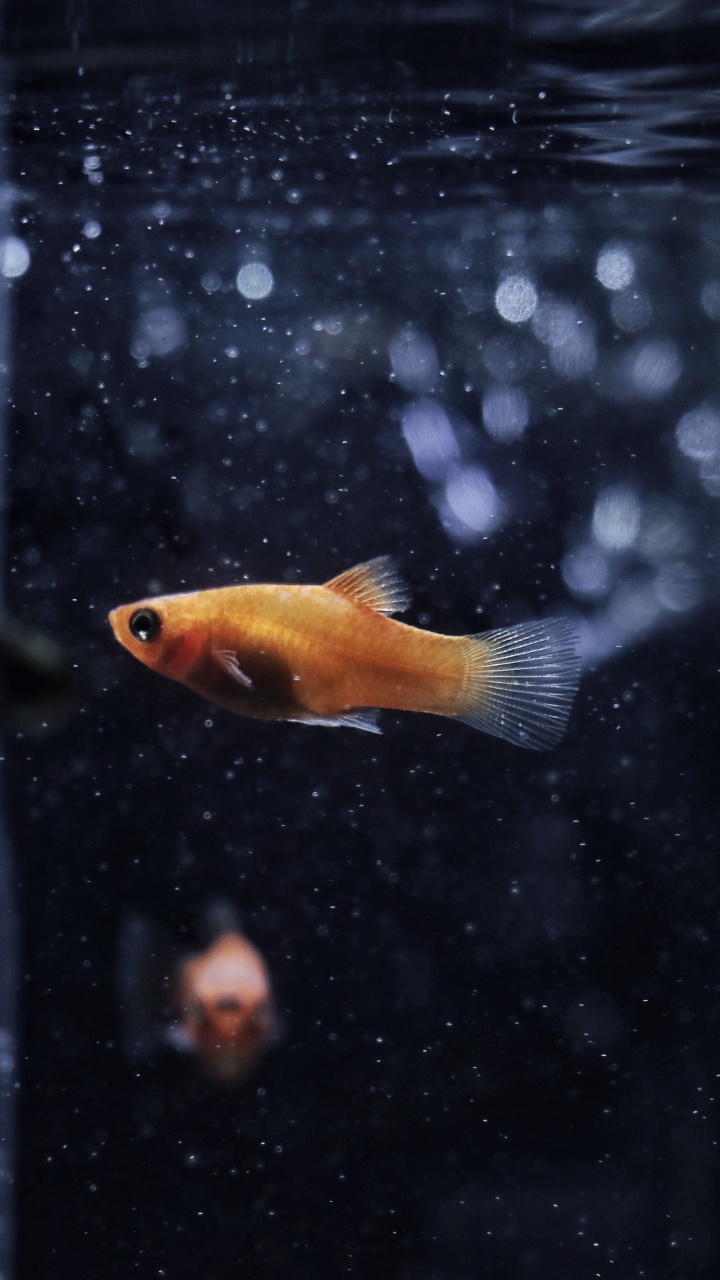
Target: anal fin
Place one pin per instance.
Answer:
(360, 718)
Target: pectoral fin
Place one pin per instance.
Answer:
(228, 661)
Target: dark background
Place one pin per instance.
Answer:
(497, 970)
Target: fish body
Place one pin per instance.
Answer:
(215, 1003)
(331, 655)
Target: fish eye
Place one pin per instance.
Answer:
(145, 625)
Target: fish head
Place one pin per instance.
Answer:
(159, 632)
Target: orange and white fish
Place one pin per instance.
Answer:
(330, 655)
(216, 1003)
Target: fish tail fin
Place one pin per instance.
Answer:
(520, 682)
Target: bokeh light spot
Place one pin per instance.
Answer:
(516, 298)
(430, 438)
(14, 257)
(710, 299)
(473, 499)
(577, 355)
(678, 586)
(508, 357)
(615, 267)
(414, 360)
(255, 281)
(585, 570)
(631, 310)
(655, 368)
(664, 531)
(160, 331)
(698, 433)
(616, 518)
(554, 321)
(505, 413)
(634, 606)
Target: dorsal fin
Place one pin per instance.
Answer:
(376, 584)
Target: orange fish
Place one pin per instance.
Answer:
(330, 655)
(216, 1003)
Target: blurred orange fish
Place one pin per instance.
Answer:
(329, 655)
(225, 1006)
(216, 1003)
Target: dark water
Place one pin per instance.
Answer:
(270, 321)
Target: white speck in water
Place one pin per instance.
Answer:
(92, 229)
